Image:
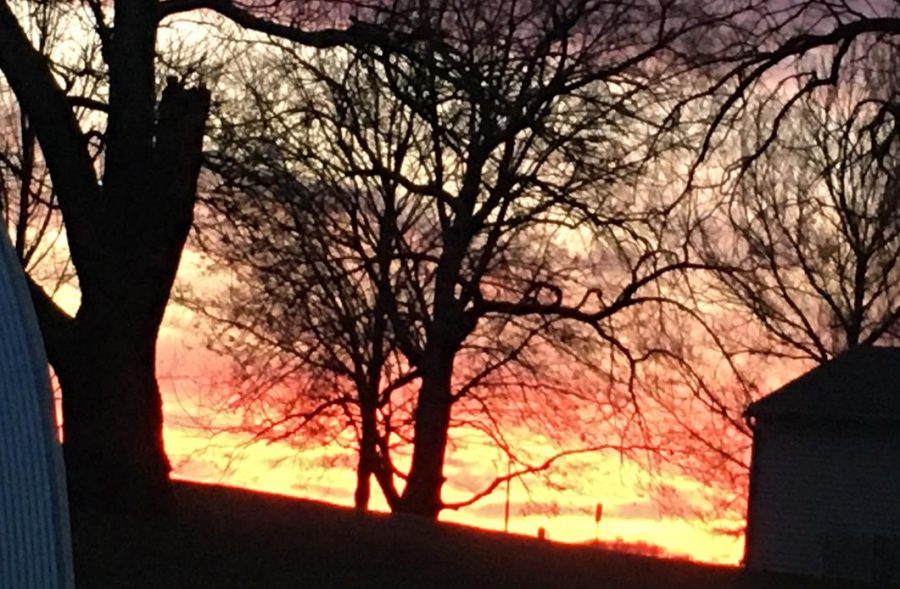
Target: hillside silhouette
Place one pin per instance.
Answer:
(222, 537)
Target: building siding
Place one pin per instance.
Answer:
(35, 549)
(826, 498)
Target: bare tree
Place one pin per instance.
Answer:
(500, 156)
(805, 219)
(127, 214)
(817, 228)
(27, 199)
(316, 246)
(305, 319)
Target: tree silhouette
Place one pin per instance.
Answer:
(27, 200)
(815, 223)
(805, 218)
(443, 193)
(126, 218)
(320, 250)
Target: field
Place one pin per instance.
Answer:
(229, 538)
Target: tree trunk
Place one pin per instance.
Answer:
(363, 484)
(449, 327)
(422, 495)
(112, 411)
(367, 466)
(105, 357)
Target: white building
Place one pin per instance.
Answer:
(825, 473)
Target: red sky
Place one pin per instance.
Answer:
(187, 371)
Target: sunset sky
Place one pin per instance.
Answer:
(188, 373)
(190, 377)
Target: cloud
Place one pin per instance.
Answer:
(634, 510)
(494, 509)
(196, 469)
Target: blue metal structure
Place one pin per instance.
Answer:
(35, 541)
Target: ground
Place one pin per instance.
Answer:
(229, 538)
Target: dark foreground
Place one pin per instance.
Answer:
(222, 537)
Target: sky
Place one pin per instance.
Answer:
(188, 372)
(190, 375)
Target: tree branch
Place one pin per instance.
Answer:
(62, 142)
(532, 469)
(55, 324)
(357, 34)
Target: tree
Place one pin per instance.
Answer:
(126, 221)
(816, 226)
(27, 201)
(805, 220)
(510, 167)
(489, 152)
(304, 319)
(125, 239)
(315, 247)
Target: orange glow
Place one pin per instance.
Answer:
(628, 514)
(186, 369)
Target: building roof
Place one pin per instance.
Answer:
(863, 383)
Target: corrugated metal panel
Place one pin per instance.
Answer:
(35, 542)
(826, 499)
